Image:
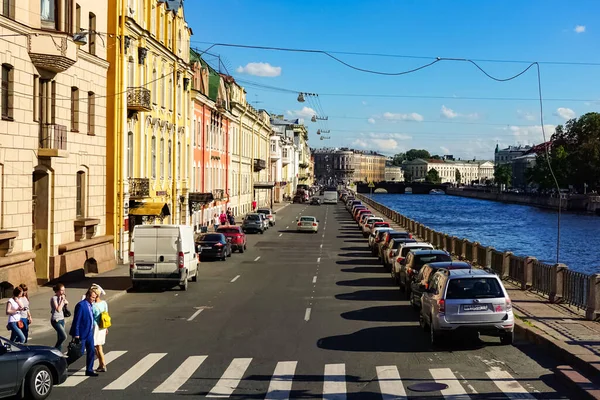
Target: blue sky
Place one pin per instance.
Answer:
(359, 114)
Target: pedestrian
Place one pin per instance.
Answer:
(223, 218)
(82, 329)
(216, 221)
(100, 332)
(13, 310)
(230, 217)
(25, 313)
(58, 304)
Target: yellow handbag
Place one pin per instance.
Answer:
(105, 321)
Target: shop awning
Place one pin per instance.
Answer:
(151, 209)
(200, 198)
(264, 185)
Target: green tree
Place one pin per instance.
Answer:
(561, 166)
(413, 154)
(433, 176)
(407, 176)
(435, 157)
(457, 176)
(398, 158)
(503, 174)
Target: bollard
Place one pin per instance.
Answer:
(447, 243)
(488, 256)
(592, 311)
(527, 282)
(475, 254)
(506, 263)
(463, 249)
(557, 282)
(454, 247)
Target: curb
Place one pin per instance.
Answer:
(36, 330)
(572, 378)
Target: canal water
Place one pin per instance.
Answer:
(524, 230)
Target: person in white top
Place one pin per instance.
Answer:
(13, 310)
(98, 308)
(25, 313)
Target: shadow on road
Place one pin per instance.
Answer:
(368, 261)
(363, 254)
(376, 282)
(357, 248)
(106, 282)
(355, 241)
(393, 313)
(386, 339)
(368, 270)
(371, 295)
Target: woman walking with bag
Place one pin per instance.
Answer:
(58, 312)
(13, 310)
(101, 325)
(25, 314)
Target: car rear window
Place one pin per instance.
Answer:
(210, 237)
(229, 230)
(407, 249)
(426, 259)
(397, 243)
(474, 288)
(263, 211)
(307, 219)
(253, 217)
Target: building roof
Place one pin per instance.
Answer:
(172, 5)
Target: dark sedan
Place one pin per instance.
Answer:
(315, 201)
(33, 370)
(213, 245)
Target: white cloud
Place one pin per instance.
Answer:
(579, 29)
(565, 113)
(532, 134)
(360, 143)
(451, 114)
(526, 115)
(364, 103)
(259, 69)
(382, 142)
(445, 150)
(385, 145)
(306, 112)
(402, 117)
(371, 120)
(380, 135)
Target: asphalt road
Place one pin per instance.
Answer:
(298, 315)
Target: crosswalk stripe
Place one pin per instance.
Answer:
(230, 379)
(134, 373)
(334, 382)
(281, 382)
(181, 375)
(79, 376)
(455, 391)
(390, 383)
(508, 385)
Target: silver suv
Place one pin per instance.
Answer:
(467, 300)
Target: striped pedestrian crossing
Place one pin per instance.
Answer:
(285, 379)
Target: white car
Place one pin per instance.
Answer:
(374, 233)
(402, 253)
(308, 224)
(366, 227)
(269, 214)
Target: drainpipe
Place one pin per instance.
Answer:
(174, 181)
(240, 156)
(119, 136)
(252, 161)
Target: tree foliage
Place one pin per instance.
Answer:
(457, 176)
(433, 176)
(540, 172)
(413, 154)
(503, 174)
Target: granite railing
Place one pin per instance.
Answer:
(555, 281)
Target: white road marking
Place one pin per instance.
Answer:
(319, 259)
(307, 314)
(315, 279)
(181, 375)
(508, 385)
(194, 315)
(281, 382)
(334, 382)
(455, 391)
(321, 246)
(323, 235)
(390, 383)
(281, 234)
(134, 373)
(287, 227)
(257, 258)
(235, 279)
(79, 376)
(231, 378)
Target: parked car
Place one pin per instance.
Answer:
(236, 236)
(264, 220)
(422, 282)
(389, 251)
(360, 212)
(30, 370)
(379, 237)
(363, 217)
(379, 225)
(269, 214)
(307, 224)
(405, 249)
(163, 254)
(410, 267)
(368, 223)
(315, 201)
(467, 301)
(298, 198)
(214, 245)
(375, 234)
(389, 235)
(253, 223)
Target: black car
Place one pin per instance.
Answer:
(421, 282)
(213, 245)
(315, 201)
(31, 369)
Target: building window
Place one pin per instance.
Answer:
(91, 122)
(77, 18)
(48, 14)
(170, 159)
(74, 109)
(162, 158)
(170, 89)
(154, 86)
(130, 154)
(80, 206)
(153, 157)
(36, 98)
(131, 72)
(7, 91)
(92, 33)
(8, 8)
(68, 4)
(169, 35)
(153, 21)
(180, 159)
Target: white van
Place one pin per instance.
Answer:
(330, 197)
(163, 253)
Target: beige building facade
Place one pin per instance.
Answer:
(471, 170)
(52, 140)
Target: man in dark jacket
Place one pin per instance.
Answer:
(83, 329)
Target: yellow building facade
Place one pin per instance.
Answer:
(148, 119)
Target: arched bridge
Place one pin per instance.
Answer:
(400, 187)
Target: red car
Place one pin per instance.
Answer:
(237, 236)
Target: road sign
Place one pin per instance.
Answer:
(371, 185)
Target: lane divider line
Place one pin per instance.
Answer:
(194, 315)
(307, 314)
(257, 258)
(235, 279)
(319, 260)
(281, 234)
(315, 279)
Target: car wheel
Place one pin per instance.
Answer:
(242, 249)
(184, 286)
(38, 383)
(223, 258)
(262, 231)
(422, 323)
(507, 339)
(434, 336)
(195, 277)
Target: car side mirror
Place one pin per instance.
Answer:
(4, 349)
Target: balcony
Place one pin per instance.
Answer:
(275, 155)
(259, 164)
(221, 105)
(139, 188)
(52, 51)
(304, 165)
(139, 99)
(53, 141)
(218, 194)
(286, 158)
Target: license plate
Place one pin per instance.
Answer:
(475, 307)
(206, 248)
(307, 224)
(145, 267)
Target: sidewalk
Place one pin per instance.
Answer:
(115, 283)
(561, 330)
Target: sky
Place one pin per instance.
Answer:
(450, 107)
